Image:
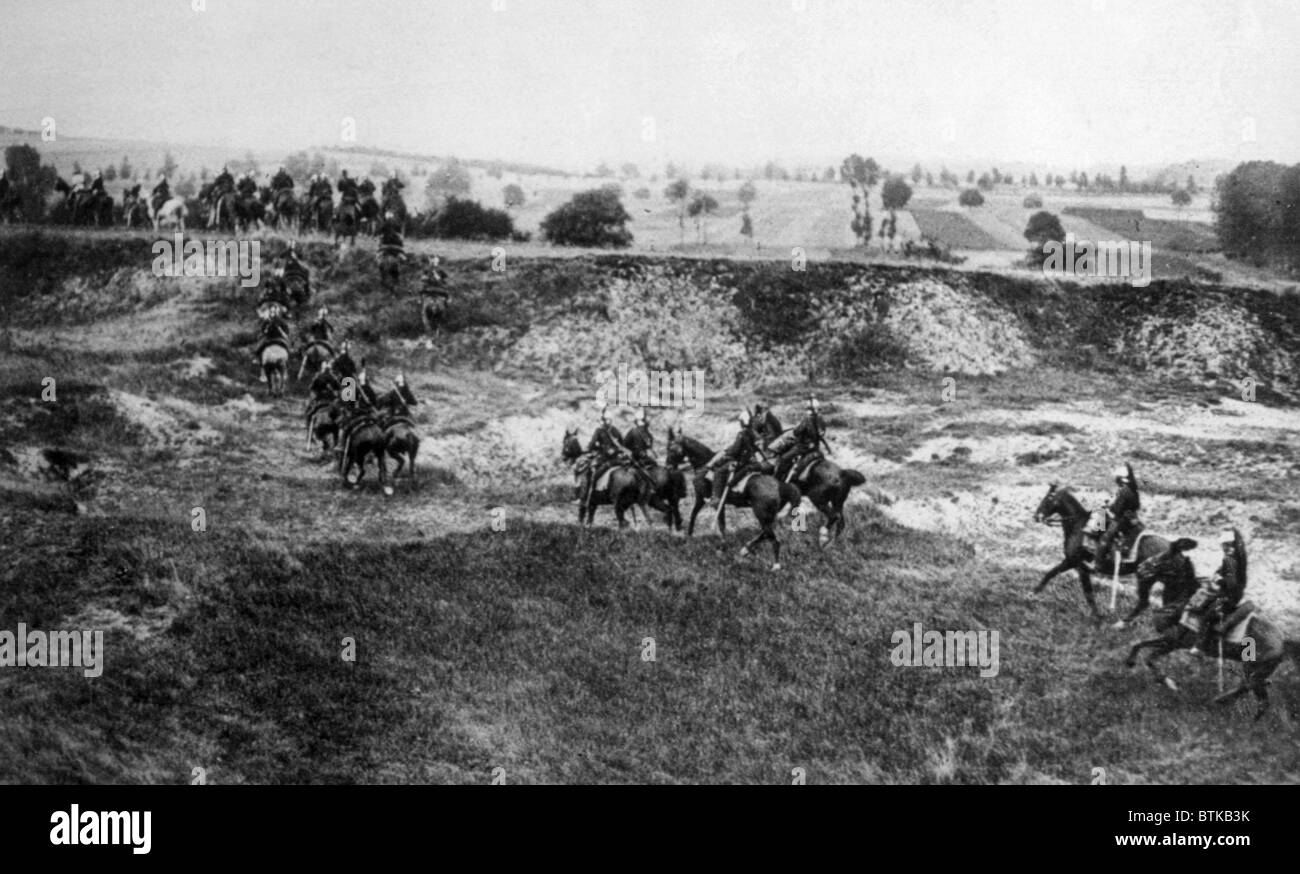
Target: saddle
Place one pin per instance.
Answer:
(389, 421)
(802, 467)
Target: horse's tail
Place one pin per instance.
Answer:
(853, 478)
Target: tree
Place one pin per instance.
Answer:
(1191, 184)
(677, 192)
(895, 193)
(929, 180)
(1123, 178)
(590, 218)
(630, 171)
(701, 205)
(125, 170)
(747, 194)
(1043, 228)
(110, 173)
(747, 226)
(1180, 197)
(917, 174)
(169, 166)
(469, 220)
(861, 174)
(971, 197)
(985, 182)
(604, 171)
(452, 179)
(513, 194)
(1249, 216)
(970, 178)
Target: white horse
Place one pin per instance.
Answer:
(173, 211)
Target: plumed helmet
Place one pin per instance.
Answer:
(743, 418)
(641, 416)
(1227, 537)
(324, 311)
(812, 404)
(399, 380)
(604, 414)
(1120, 473)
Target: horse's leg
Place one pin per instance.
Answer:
(1064, 565)
(1085, 582)
(770, 532)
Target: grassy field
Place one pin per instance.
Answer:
(525, 648)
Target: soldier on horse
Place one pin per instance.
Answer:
(1212, 610)
(730, 464)
(1122, 517)
(801, 446)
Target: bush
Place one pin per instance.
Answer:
(469, 220)
(590, 218)
(971, 197)
(1180, 197)
(1043, 227)
(1032, 201)
(641, 194)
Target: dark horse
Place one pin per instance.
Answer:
(346, 220)
(1060, 502)
(624, 490)
(281, 206)
(1267, 645)
(402, 443)
(827, 486)
(364, 437)
(764, 494)
(89, 206)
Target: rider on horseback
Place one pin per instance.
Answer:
(735, 460)
(392, 187)
(282, 180)
(274, 331)
(390, 237)
(1214, 603)
(221, 186)
(347, 190)
(321, 331)
(247, 185)
(97, 184)
(604, 450)
(639, 442)
(162, 193)
(803, 440)
(767, 427)
(325, 387)
(1123, 515)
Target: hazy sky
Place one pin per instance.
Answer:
(571, 82)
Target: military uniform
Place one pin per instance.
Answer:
(1220, 596)
(281, 180)
(1123, 520)
(348, 190)
(804, 438)
(325, 387)
(733, 460)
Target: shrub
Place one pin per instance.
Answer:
(590, 218)
(971, 197)
(470, 220)
(1032, 201)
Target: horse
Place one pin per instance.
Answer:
(134, 209)
(249, 211)
(313, 354)
(765, 495)
(402, 443)
(624, 489)
(281, 206)
(317, 214)
(322, 419)
(226, 212)
(1267, 644)
(827, 486)
(95, 204)
(345, 223)
(275, 365)
(1079, 545)
(172, 211)
(363, 438)
(369, 217)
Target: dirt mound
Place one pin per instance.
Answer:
(951, 330)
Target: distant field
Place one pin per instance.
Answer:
(954, 230)
(1177, 236)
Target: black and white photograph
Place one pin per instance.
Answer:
(782, 393)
